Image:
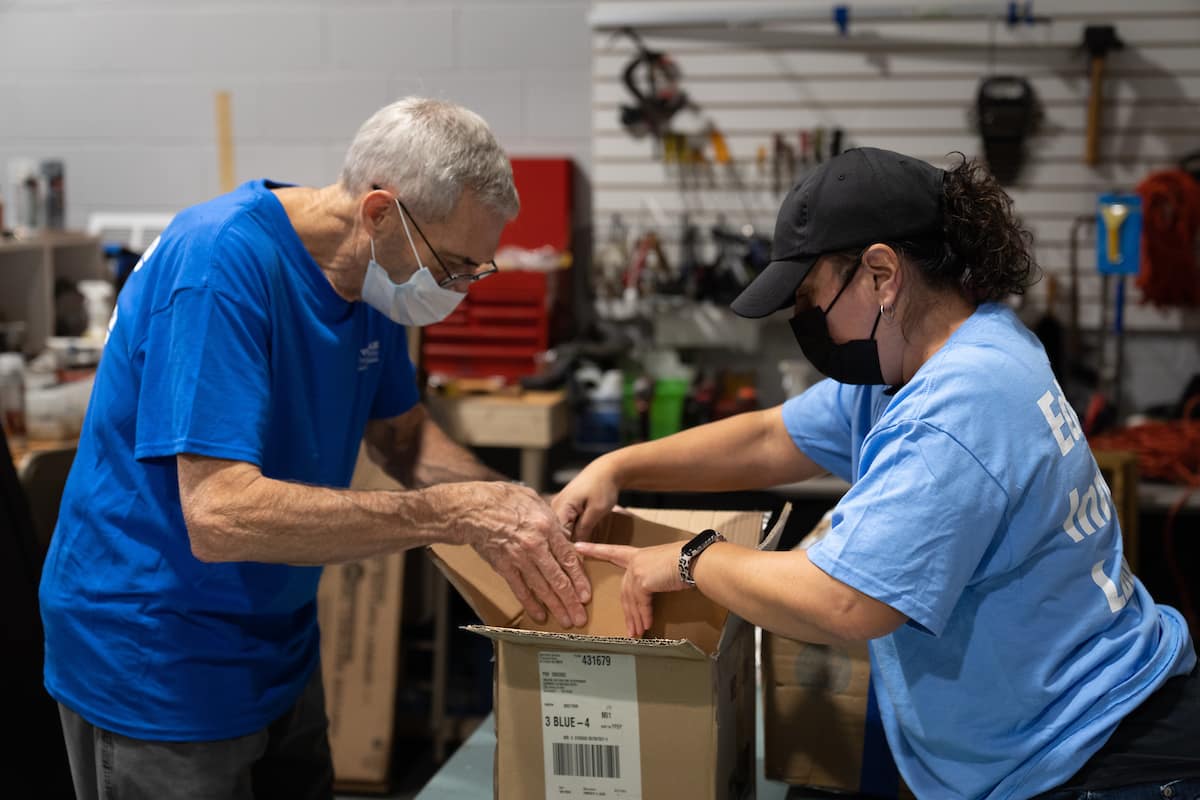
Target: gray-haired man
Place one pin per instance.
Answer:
(257, 342)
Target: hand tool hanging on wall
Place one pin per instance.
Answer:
(690, 265)
(835, 142)
(1099, 41)
(1118, 253)
(724, 158)
(720, 146)
(674, 157)
(783, 165)
(776, 163)
(648, 268)
(805, 152)
(1080, 356)
(703, 168)
(1006, 111)
(652, 77)
(611, 260)
(1118, 248)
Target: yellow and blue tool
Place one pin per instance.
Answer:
(1119, 234)
(1119, 253)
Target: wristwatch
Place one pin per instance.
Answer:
(692, 550)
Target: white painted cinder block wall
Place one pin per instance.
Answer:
(123, 90)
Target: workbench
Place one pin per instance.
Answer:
(531, 421)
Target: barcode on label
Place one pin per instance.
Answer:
(587, 760)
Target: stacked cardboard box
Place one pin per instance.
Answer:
(821, 727)
(358, 610)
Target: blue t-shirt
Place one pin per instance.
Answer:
(227, 341)
(977, 510)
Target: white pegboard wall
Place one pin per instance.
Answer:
(911, 86)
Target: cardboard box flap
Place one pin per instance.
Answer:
(741, 527)
(481, 586)
(670, 648)
(770, 542)
(677, 615)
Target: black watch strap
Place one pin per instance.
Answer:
(692, 550)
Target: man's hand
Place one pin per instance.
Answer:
(587, 499)
(648, 570)
(517, 533)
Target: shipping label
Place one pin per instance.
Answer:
(590, 741)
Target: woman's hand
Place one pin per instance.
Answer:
(648, 570)
(586, 499)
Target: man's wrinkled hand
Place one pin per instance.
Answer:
(518, 534)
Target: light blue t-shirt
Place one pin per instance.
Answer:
(977, 510)
(228, 341)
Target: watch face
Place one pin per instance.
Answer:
(693, 548)
(699, 541)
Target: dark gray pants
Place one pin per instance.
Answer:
(289, 759)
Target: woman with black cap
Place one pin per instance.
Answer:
(978, 550)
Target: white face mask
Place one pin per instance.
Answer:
(418, 301)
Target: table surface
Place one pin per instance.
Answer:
(531, 397)
(19, 450)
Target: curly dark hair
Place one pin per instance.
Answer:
(983, 249)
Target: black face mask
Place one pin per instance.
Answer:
(855, 362)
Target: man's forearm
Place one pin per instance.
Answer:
(261, 519)
(233, 513)
(415, 451)
(445, 461)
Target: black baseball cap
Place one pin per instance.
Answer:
(859, 197)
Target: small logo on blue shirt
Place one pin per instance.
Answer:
(368, 355)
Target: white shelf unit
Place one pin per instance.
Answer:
(28, 271)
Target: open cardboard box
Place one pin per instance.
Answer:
(590, 712)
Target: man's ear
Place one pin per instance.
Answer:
(883, 265)
(377, 209)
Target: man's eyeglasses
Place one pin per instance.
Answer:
(470, 271)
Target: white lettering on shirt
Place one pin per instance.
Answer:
(112, 323)
(368, 355)
(1091, 507)
(1117, 598)
(146, 254)
(1060, 420)
(1069, 522)
(1090, 512)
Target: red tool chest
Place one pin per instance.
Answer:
(505, 320)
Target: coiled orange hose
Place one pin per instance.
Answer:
(1167, 451)
(1169, 274)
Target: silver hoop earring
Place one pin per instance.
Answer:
(890, 313)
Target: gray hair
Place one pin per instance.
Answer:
(431, 150)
